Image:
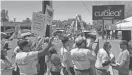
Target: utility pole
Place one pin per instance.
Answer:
(49, 27)
(43, 66)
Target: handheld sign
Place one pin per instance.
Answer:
(38, 24)
(49, 15)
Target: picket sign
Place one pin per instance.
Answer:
(49, 15)
(38, 24)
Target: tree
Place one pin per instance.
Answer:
(27, 20)
(4, 15)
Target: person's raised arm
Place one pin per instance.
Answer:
(45, 50)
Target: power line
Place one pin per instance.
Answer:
(86, 7)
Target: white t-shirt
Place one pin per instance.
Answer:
(26, 62)
(65, 55)
(80, 58)
(102, 56)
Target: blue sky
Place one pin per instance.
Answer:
(62, 9)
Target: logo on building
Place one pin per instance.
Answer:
(108, 12)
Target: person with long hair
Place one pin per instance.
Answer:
(54, 62)
(123, 60)
(89, 45)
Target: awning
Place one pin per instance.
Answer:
(125, 24)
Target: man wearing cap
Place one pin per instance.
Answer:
(27, 59)
(123, 60)
(103, 59)
(81, 57)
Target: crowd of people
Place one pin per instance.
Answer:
(64, 56)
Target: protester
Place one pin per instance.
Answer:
(122, 64)
(6, 66)
(17, 49)
(54, 62)
(27, 59)
(103, 60)
(66, 59)
(81, 57)
(89, 45)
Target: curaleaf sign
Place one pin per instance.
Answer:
(108, 12)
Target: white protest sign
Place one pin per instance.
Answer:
(49, 15)
(38, 24)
